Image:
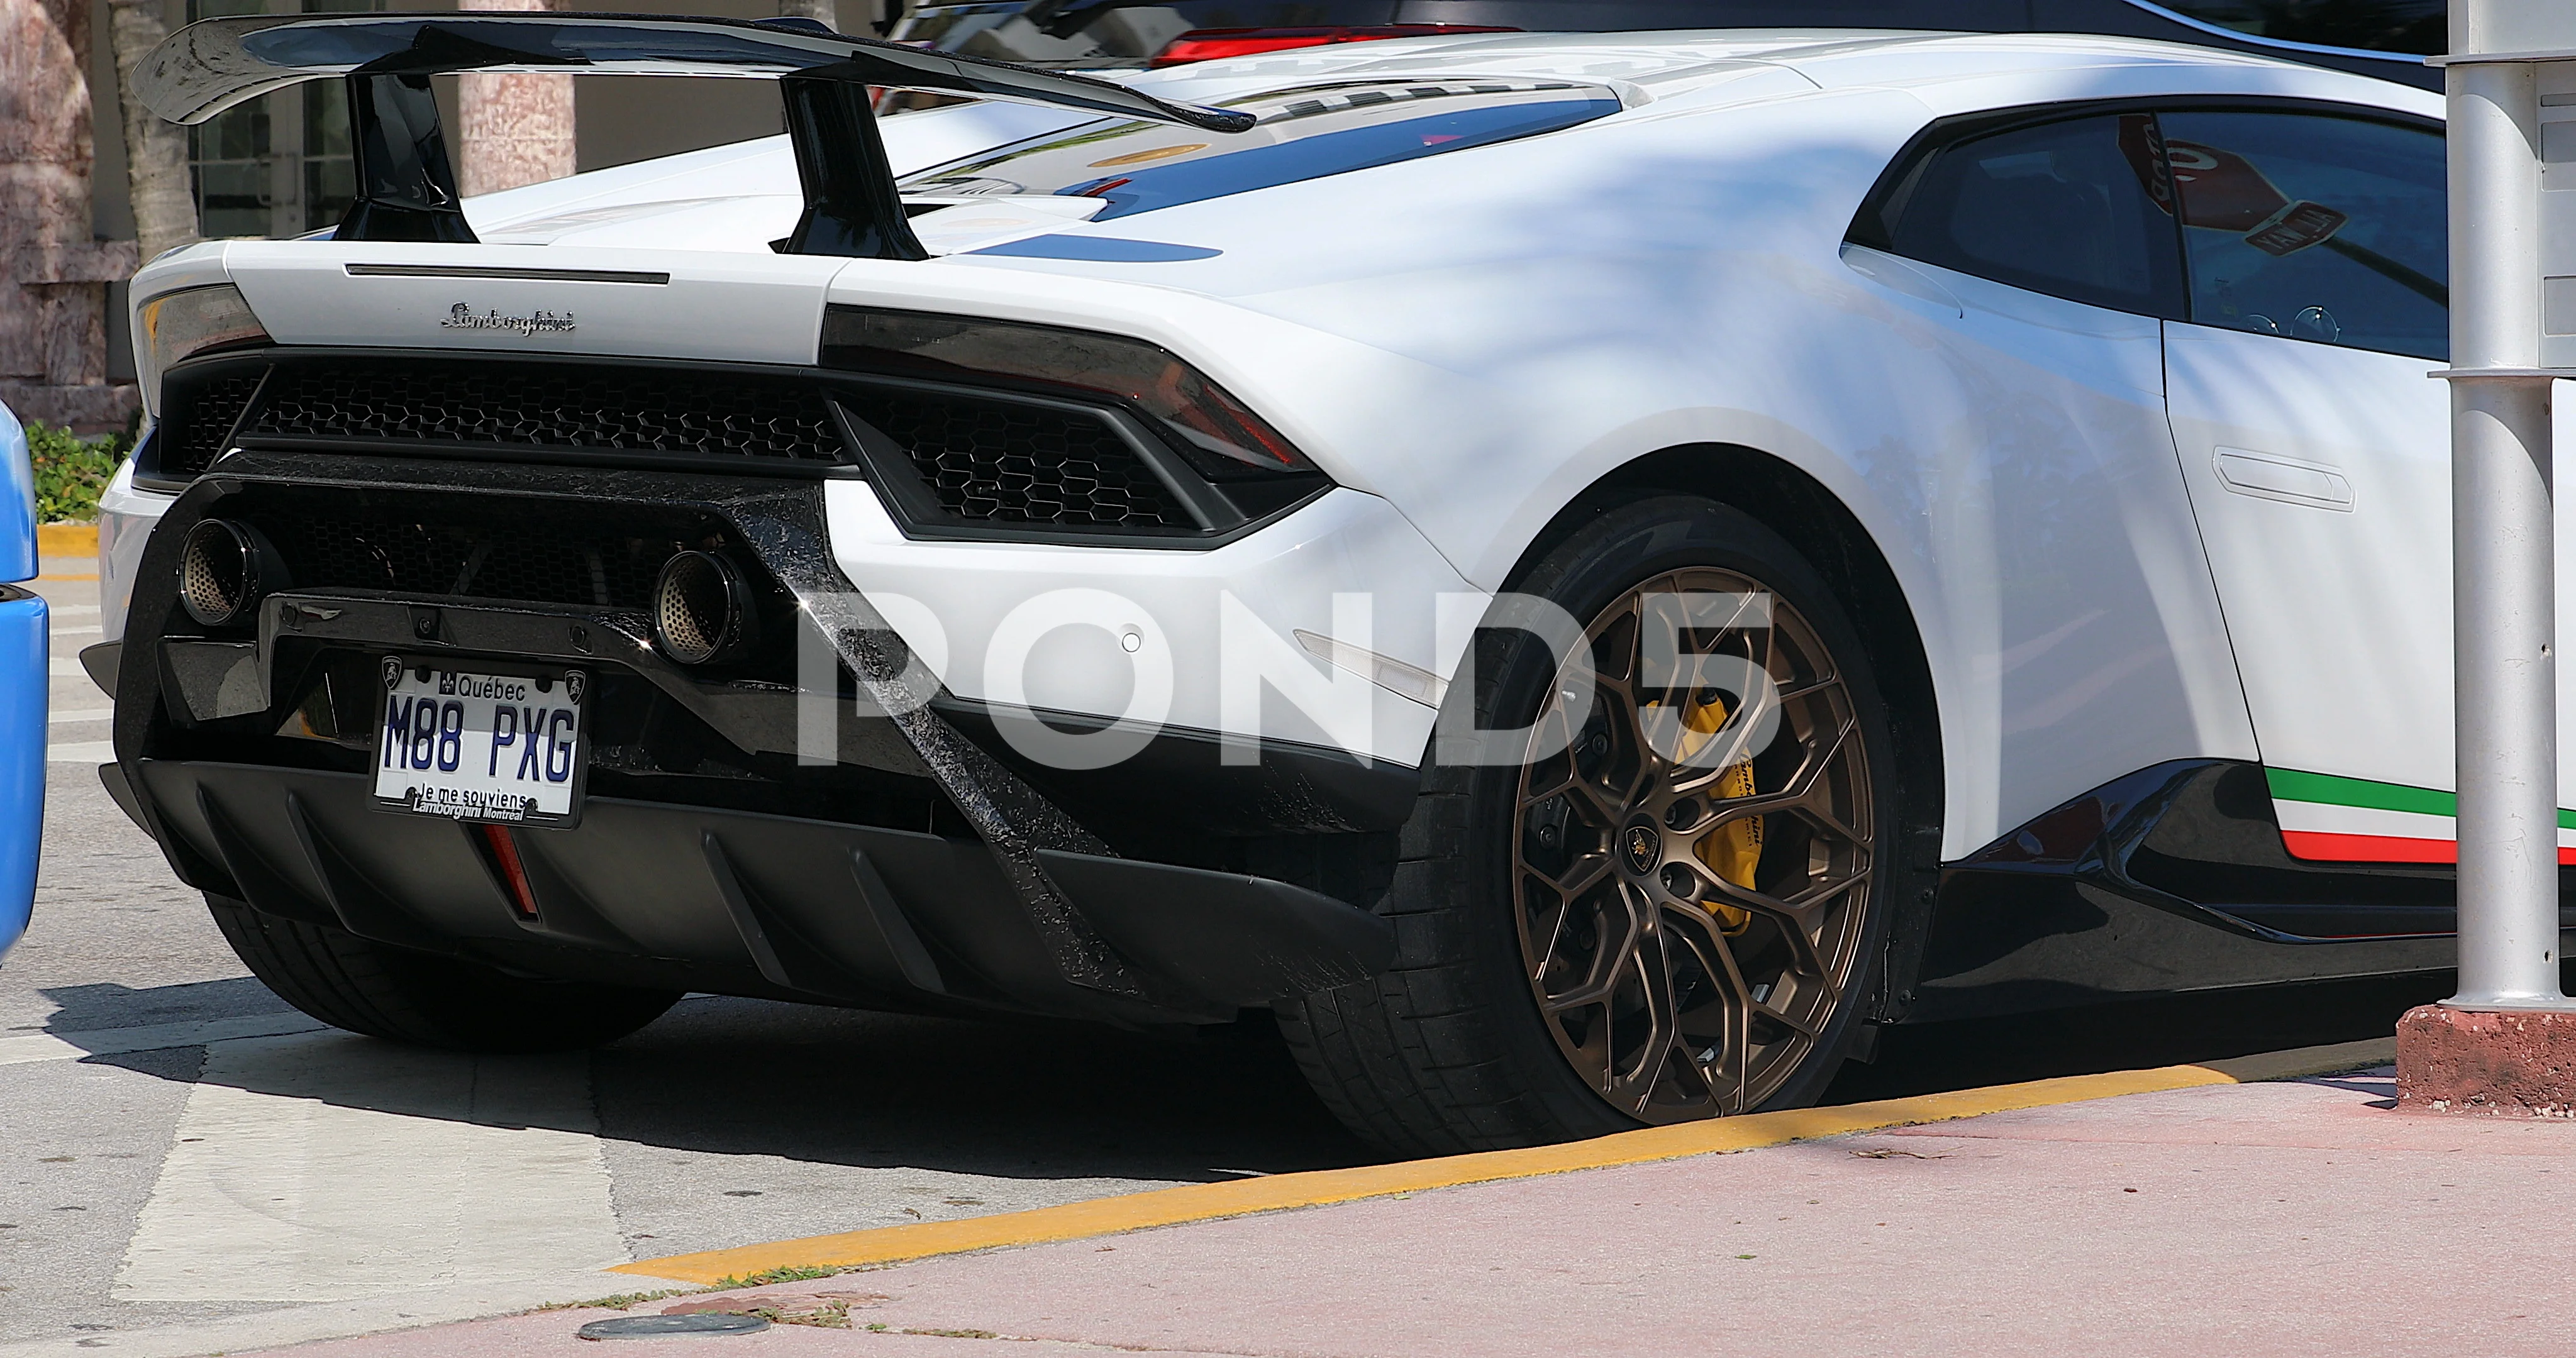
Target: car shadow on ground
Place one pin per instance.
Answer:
(1042, 1100)
(106, 1006)
(2133, 1034)
(1028, 1099)
(740, 1077)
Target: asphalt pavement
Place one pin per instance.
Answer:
(187, 1164)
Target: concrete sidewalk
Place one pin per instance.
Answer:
(2288, 1218)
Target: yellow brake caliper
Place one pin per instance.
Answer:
(1733, 849)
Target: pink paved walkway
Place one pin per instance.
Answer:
(2271, 1219)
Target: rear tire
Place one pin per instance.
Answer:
(403, 996)
(1503, 1021)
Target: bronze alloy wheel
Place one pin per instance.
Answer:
(1693, 856)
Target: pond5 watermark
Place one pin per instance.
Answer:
(875, 657)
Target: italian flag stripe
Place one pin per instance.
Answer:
(2325, 848)
(2290, 785)
(2328, 818)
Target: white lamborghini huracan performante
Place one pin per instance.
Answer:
(1582, 574)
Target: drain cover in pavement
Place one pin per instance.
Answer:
(653, 1327)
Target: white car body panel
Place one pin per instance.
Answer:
(2332, 602)
(2321, 477)
(1525, 319)
(723, 306)
(2052, 531)
(1347, 543)
(125, 519)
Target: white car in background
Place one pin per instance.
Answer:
(1584, 574)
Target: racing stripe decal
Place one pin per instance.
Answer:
(2328, 848)
(2328, 818)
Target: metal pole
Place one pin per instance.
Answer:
(2504, 586)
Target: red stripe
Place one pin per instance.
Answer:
(2320, 847)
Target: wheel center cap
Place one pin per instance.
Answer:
(1643, 846)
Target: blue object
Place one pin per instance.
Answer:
(1331, 153)
(1104, 249)
(23, 684)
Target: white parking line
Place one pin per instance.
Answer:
(323, 1167)
(80, 631)
(71, 610)
(81, 752)
(148, 1037)
(60, 668)
(80, 714)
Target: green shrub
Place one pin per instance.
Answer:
(72, 471)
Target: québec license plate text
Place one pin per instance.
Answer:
(480, 747)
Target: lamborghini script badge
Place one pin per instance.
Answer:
(462, 317)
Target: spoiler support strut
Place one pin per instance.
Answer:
(406, 187)
(851, 205)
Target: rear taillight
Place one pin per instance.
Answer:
(1218, 433)
(177, 325)
(1216, 44)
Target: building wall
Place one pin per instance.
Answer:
(53, 268)
(631, 118)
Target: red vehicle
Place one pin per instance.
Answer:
(2372, 37)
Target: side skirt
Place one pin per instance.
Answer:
(2175, 878)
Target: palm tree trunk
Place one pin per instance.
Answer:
(156, 152)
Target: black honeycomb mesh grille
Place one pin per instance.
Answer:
(1005, 462)
(203, 417)
(991, 460)
(553, 406)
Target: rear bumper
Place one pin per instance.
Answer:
(737, 902)
(714, 852)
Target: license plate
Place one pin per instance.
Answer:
(473, 745)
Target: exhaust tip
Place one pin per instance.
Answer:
(701, 609)
(225, 569)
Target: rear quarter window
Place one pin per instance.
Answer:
(2057, 208)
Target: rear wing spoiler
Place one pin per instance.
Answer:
(406, 182)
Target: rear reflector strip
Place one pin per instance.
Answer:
(514, 874)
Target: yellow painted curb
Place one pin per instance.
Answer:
(1239, 1197)
(67, 539)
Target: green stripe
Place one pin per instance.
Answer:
(2291, 785)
